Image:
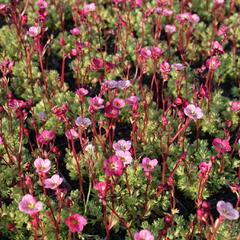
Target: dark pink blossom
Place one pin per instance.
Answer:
(100, 188)
(118, 103)
(227, 211)
(97, 64)
(213, 63)
(143, 235)
(235, 107)
(205, 168)
(76, 223)
(221, 145)
(45, 137)
(113, 166)
(29, 205)
(217, 47)
(111, 112)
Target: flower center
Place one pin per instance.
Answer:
(31, 206)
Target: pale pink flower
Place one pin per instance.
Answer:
(96, 103)
(111, 84)
(227, 211)
(143, 235)
(132, 100)
(71, 134)
(29, 205)
(91, 7)
(193, 112)
(34, 31)
(194, 18)
(113, 166)
(125, 157)
(221, 145)
(42, 165)
(54, 182)
(217, 47)
(167, 12)
(170, 29)
(118, 103)
(76, 223)
(148, 165)
(122, 145)
(42, 4)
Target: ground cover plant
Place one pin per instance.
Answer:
(119, 119)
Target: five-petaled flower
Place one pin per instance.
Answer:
(42, 165)
(148, 165)
(113, 166)
(221, 145)
(76, 223)
(54, 182)
(29, 205)
(143, 235)
(227, 211)
(193, 112)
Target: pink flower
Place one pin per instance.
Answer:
(76, 223)
(113, 166)
(143, 235)
(205, 168)
(193, 112)
(81, 93)
(42, 4)
(42, 165)
(29, 205)
(218, 2)
(125, 157)
(111, 112)
(1, 140)
(118, 103)
(71, 134)
(167, 12)
(91, 7)
(177, 66)
(165, 67)
(194, 18)
(137, 3)
(96, 103)
(132, 100)
(217, 47)
(156, 53)
(213, 63)
(34, 31)
(53, 182)
(75, 31)
(235, 107)
(122, 145)
(100, 188)
(45, 137)
(227, 211)
(223, 30)
(148, 165)
(97, 64)
(170, 29)
(221, 146)
(145, 53)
